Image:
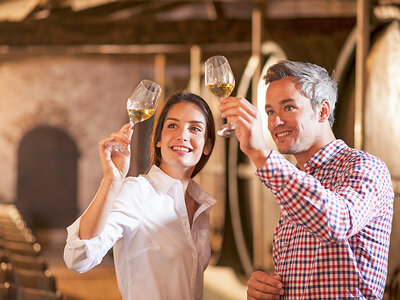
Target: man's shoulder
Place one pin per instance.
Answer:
(358, 158)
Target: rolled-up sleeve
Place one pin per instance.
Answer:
(82, 255)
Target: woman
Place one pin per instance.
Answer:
(158, 223)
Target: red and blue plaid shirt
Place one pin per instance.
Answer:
(332, 239)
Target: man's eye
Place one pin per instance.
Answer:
(289, 108)
(269, 112)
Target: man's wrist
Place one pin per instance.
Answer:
(259, 157)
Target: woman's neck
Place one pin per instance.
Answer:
(184, 176)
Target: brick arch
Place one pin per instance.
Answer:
(47, 178)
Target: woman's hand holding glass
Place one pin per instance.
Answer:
(141, 105)
(115, 164)
(115, 150)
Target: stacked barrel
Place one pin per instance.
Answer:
(23, 270)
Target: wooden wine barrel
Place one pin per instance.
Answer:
(381, 110)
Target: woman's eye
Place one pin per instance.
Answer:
(171, 125)
(195, 128)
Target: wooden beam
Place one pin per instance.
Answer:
(256, 40)
(159, 74)
(121, 49)
(256, 199)
(73, 32)
(361, 72)
(195, 70)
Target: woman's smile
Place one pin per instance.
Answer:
(182, 149)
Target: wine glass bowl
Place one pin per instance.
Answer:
(141, 105)
(220, 81)
(143, 101)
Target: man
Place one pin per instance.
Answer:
(332, 238)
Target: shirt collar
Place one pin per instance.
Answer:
(200, 195)
(325, 154)
(162, 183)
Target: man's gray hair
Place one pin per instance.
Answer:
(314, 82)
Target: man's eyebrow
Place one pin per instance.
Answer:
(282, 102)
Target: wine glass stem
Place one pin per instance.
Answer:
(130, 132)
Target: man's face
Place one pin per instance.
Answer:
(292, 122)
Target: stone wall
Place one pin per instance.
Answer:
(84, 96)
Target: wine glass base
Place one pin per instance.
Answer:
(227, 130)
(115, 147)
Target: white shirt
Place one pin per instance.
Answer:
(156, 254)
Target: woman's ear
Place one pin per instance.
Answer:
(158, 144)
(324, 110)
(207, 148)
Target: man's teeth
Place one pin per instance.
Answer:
(178, 148)
(282, 134)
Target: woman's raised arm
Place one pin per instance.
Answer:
(115, 166)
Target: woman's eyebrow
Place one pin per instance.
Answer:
(192, 121)
(172, 119)
(200, 122)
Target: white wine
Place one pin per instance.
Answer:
(221, 89)
(139, 114)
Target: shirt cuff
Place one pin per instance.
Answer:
(276, 171)
(81, 255)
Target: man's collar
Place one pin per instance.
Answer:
(325, 154)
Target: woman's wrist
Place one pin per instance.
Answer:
(110, 180)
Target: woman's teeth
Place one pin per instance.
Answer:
(179, 148)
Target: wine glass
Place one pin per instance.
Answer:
(220, 81)
(141, 105)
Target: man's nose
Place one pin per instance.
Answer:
(276, 121)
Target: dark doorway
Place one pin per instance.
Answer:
(47, 178)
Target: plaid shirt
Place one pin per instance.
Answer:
(332, 239)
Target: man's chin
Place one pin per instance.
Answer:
(285, 150)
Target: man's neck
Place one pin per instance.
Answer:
(324, 140)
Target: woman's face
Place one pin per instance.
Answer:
(183, 139)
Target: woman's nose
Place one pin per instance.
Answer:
(183, 135)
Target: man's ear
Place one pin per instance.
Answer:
(324, 110)
(207, 148)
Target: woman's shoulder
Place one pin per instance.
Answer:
(136, 182)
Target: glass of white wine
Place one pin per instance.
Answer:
(220, 81)
(143, 102)
(141, 105)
